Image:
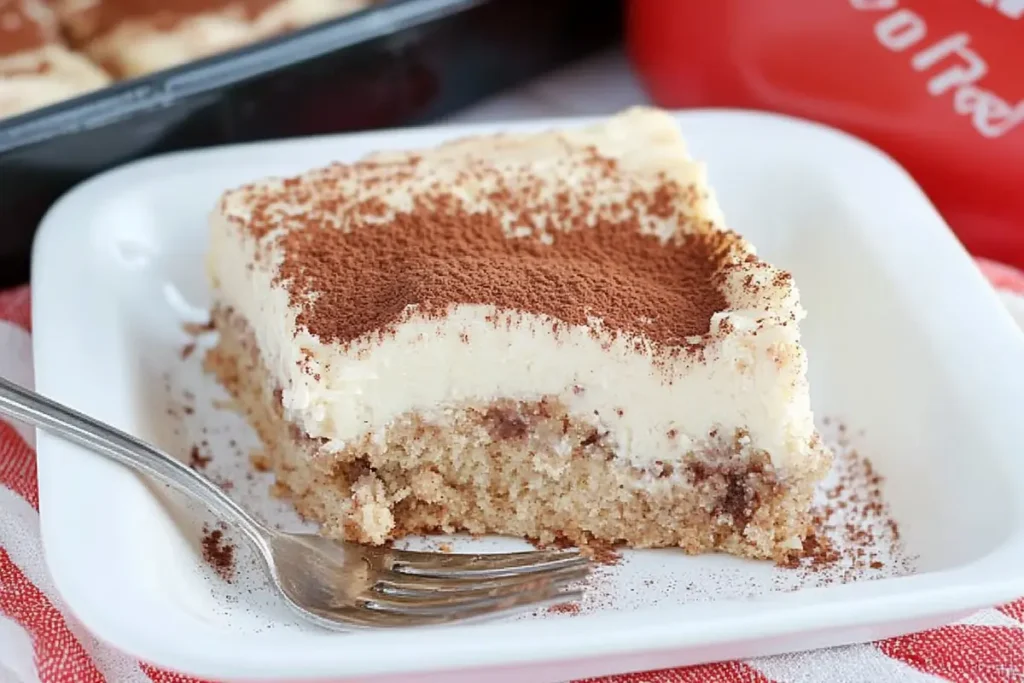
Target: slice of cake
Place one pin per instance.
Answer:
(548, 335)
(135, 37)
(36, 69)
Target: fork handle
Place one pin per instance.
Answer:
(37, 410)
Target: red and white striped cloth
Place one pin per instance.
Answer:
(39, 641)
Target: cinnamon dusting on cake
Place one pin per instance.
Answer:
(355, 268)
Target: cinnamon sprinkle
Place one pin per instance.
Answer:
(440, 254)
(218, 552)
(604, 553)
(196, 460)
(564, 608)
(853, 533)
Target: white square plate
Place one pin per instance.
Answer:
(906, 341)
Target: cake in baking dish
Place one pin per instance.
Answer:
(546, 335)
(135, 37)
(36, 68)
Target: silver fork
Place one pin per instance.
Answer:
(335, 584)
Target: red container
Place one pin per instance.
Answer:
(938, 84)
